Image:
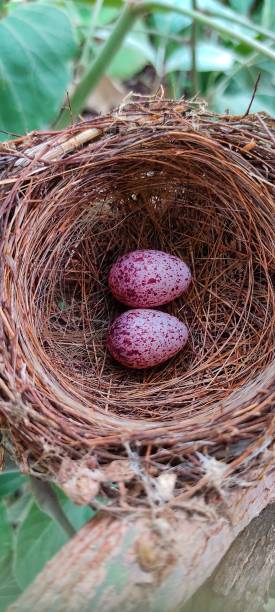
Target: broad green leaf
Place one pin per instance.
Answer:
(210, 57)
(235, 28)
(169, 22)
(39, 538)
(107, 15)
(241, 6)
(211, 5)
(9, 589)
(135, 53)
(10, 482)
(78, 515)
(266, 65)
(78, 13)
(36, 46)
(81, 14)
(268, 13)
(216, 8)
(5, 534)
(18, 509)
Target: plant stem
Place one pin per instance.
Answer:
(160, 5)
(132, 10)
(195, 76)
(266, 13)
(99, 65)
(84, 60)
(240, 20)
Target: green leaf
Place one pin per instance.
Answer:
(9, 589)
(135, 53)
(36, 46)
(241, 6)
(10, 482)
(237, 29)
(169, 22)
(78, 515)
(216, 8)
(237, 103)
(18, 509)
(79, 14)
(268, 13)
(211, 5)
(39, 538)
(5, 534)
(107, 15)
(210, 57)
(267, 66)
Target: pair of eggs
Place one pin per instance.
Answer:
(144, 337)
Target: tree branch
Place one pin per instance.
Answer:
(242, 581)
(142, 562)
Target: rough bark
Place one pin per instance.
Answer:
(242, 580)
(142, 563)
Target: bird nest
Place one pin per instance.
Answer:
(154, 174)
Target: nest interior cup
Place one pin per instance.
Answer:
(158, 175)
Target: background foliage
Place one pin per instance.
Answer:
(29, 536)
(46, 48)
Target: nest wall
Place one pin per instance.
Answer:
(155, 174)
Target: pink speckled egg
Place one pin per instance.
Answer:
(143, 279)
(143, 337)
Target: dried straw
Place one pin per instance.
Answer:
(154, 174)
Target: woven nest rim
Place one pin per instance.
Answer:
(72, 202)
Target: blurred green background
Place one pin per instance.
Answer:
(50, 50)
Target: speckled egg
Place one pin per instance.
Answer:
(147, 278)
(143, 338)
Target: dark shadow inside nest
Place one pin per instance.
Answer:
(224, 309)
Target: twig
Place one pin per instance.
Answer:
(263, 124)
(253, 96)
(62, 148)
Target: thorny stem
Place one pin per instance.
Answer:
(132, 10)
